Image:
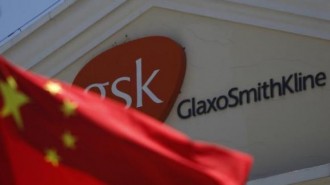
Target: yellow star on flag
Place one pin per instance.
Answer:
(69, 107)
(52, 157)
(69, 140)
(12, 82)
(13, 101)
(53, 88)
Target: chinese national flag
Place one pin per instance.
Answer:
(54, 134)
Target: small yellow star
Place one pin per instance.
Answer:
(13, 101)
(12, 82)
(53, 88)
(69, 140)
(52, 157)
(69, 107)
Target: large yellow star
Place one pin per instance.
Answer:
(69, 107)
(52, 157)
(13, 101)
(53, 87)
(69, 140)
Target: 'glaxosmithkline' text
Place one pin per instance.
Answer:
(291, 84)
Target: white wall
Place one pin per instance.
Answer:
(228, 44)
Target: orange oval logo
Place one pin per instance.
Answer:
(146, 74)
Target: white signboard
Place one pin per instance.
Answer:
(262, 91)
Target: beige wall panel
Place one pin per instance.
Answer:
(322, 181)
(284, 133)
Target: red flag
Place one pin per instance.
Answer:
(52, 133)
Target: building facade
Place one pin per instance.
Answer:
(256, 74)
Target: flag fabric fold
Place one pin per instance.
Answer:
(53, 133)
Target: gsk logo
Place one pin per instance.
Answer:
(146, 74)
